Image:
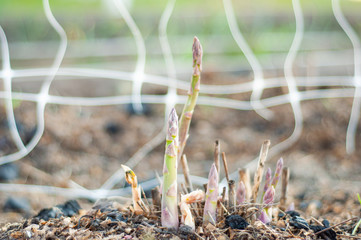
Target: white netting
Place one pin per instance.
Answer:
(343, 87)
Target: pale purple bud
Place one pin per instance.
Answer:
(269, 195)
(278, 172)
(263, 217)
(268, 179)
(210, 206)
(197, 56)
(241, 193)
(291, 207)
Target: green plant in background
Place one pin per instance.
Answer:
(359, 222)
(169, 207)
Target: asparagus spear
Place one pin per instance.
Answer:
(210, 206)
(169, 208)
(267, 182)
(268, 198)
(188, 109)
(131, 178)
(278, 172)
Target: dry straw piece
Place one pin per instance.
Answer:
(285, 179)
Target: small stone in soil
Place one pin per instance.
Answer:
(48, 213)
(116, 216)
(299, 223)
(288, 213)
(8, 172)
(186, 232)
(68, 209)
(113, 128)
(329, 234)
(17, 204)
(236, 222)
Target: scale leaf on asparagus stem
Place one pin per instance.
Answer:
(169, 208)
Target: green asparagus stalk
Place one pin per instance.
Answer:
(188, 109)
(268, 198)
(169, 208)
(210, 206)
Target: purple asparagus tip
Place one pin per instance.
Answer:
(269, 195)
(210, 206)
(197, 56)
(172, 125)
(268, 180)
(263, 217)
(278, 172)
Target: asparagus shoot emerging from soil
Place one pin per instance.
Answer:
(267, 182)
(131, 178)
(192, 197)
(210, 206)
(188, 109)
(259, 172)
(241, 193)
(359, 222)
(278, 172)
(169, 208)
(268, 198)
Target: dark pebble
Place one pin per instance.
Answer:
(288, 214)
(113, 128)
(17, 204)
(186, 232)
(48, 213)
(116, 216)
(146, 109)
(329, 234)
(68, 209)
(236, 222)
(9, 172)
(299, 223)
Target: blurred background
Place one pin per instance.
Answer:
(86, 86)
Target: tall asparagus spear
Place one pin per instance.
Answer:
(210, 206)
(188, 109)
(169, 206)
